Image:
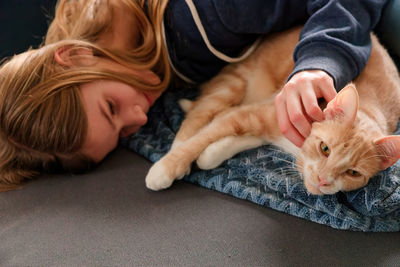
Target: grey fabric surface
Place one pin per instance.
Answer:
(108, 217)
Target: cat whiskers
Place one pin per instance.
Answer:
(285, 160)
(291, 173)
(282, 159)
(274, 149)
(293, 170)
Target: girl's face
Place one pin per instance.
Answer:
(114, 109)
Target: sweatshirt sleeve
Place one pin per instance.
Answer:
(336, 38)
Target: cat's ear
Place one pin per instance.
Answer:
(344, 105)
(388, 148)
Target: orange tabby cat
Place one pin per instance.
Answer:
(236, 112)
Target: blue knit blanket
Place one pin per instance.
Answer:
(265, 176)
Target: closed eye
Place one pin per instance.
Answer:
(111, 107)
(107, 113)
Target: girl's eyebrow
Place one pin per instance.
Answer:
(107, 116)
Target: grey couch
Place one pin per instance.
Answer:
(108, 217)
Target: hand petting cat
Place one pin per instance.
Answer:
(297, 103)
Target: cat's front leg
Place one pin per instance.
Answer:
(158, 177)
(226, 148)
(222, 92)
(186, 105)
(169, 168)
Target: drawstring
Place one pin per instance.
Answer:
(178, 73)
(203, 34)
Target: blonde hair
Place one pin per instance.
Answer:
(43, 122)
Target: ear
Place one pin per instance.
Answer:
(69, 55)
(344, 105)
(389, 150)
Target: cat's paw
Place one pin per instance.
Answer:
(185, 104)
(157, 178)
(183, 174)
(212, 156)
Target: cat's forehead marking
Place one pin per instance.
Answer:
(330, 131)
(359, 154)
(344, 160)
(337, 136)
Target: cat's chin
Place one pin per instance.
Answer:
(317, 190)
(314, 190)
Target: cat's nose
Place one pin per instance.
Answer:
(323, 182)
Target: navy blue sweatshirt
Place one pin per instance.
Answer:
(335, 37)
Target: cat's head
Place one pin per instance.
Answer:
(342, 154)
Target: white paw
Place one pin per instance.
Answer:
(157, 178)
(211, 157)
(185, 104)
(183, 174)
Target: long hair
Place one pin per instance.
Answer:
(43, 123)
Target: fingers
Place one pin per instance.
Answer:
(327, 88)
(285, 124)
(297, 115)
(310, 104)
(297, 103)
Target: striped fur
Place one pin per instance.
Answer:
(235, 112)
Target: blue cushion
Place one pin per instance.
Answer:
(265, 176)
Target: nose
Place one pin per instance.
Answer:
(138, 116)
(132, 120)
(323, 181)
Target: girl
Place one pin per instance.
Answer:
(104, 63)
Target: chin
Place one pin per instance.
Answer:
(328, 191)
(313, 189)
(319, 190)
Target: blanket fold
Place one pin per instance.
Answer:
(267, 176)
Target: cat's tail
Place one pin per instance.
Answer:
(252, 120)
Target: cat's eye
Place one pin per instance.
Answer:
(353, 173)
(324, 149)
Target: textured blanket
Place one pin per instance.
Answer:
(266, 176)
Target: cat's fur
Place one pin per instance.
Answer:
(236, 111)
